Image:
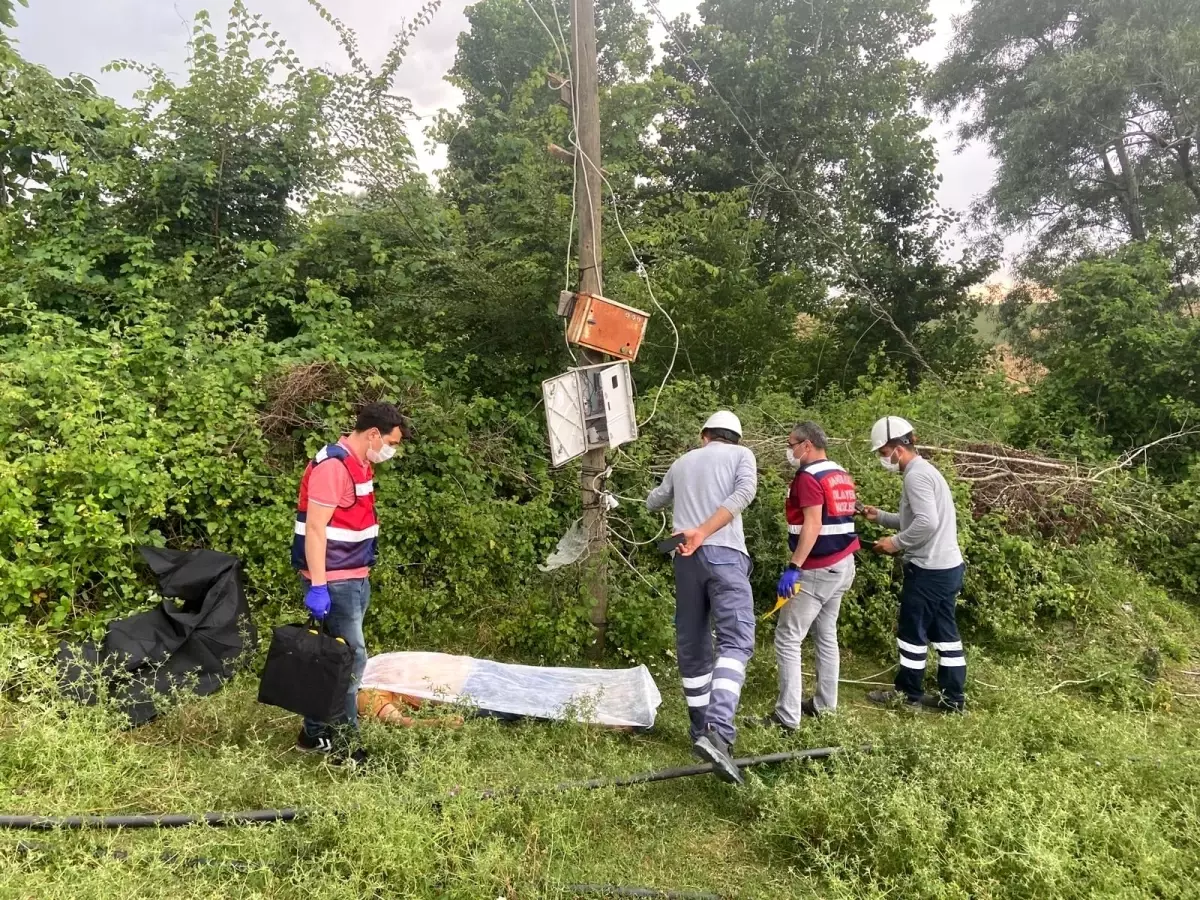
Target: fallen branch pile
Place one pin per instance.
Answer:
(1053, 495)
(1048, 493)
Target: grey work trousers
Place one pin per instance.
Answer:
(815, 608)
(712, 593)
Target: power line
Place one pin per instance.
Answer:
(645, 276)
(572, 140)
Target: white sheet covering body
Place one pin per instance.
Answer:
(614, 697)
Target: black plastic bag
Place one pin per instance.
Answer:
(195, 639)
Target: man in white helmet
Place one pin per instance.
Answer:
(933, 572)
(709, 487)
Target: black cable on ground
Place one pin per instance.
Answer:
(669, 774)
(613, 890)
(288, 814)
(168, 820)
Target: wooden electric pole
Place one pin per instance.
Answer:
(586, 113)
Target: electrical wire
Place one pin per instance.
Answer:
(574, 168)
(564, 61)
(591, 201)
(542, 22)
(645, 276)
(573, 138)
(636, 543)
(636, 571)
(167, 820)
(289, 814)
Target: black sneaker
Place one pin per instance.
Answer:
(711, 748)
(809, 709)
(892, 699)
(321, 743)
(940, 704)
(352, 759)
(772, 720)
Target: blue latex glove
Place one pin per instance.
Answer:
(789, 584)
(318, 601)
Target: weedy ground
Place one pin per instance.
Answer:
(1046, 789)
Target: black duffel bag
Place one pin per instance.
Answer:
(308, 672)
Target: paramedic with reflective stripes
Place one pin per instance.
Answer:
(333, 547)
(709, 487)
(933, 572)
(821, 536)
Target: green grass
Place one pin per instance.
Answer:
(1044, 790)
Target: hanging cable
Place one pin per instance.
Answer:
(645, 276)
(564, 61)
(636, 571)
(636, 543)
(557, 49)
(591, 202)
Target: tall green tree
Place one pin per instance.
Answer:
(811, 107)
(1092, 109)
(206, 188)
(8, 19)
(1120, 349)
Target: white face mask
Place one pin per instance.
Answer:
(792, 460)
(889, 464)
(383, 454)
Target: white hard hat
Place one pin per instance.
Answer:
(723, 418)
(888, 429)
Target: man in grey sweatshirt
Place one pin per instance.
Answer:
(933, 572)
(708, 489)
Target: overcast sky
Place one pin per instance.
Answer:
(84, 35)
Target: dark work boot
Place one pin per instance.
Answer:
(940, 704)
(892, 699)
(712, 748)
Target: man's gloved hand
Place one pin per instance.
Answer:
(789, 582)
(318, 601)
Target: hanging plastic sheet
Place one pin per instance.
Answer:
(570, 549)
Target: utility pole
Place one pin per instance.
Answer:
(586, 113)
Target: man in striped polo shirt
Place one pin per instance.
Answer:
(334, 548)
(821, 535)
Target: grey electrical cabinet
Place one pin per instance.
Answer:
(589, 407)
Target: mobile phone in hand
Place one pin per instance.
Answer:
(859, 508)
(674, 542)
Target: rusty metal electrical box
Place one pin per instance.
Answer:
(607, 326)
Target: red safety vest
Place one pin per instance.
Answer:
(353, 531)
(838, 538)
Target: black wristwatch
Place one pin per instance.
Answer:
(792, 567)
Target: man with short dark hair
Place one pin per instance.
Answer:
(933, 572)
(820, 515)
(334, 549)
(709, 487)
